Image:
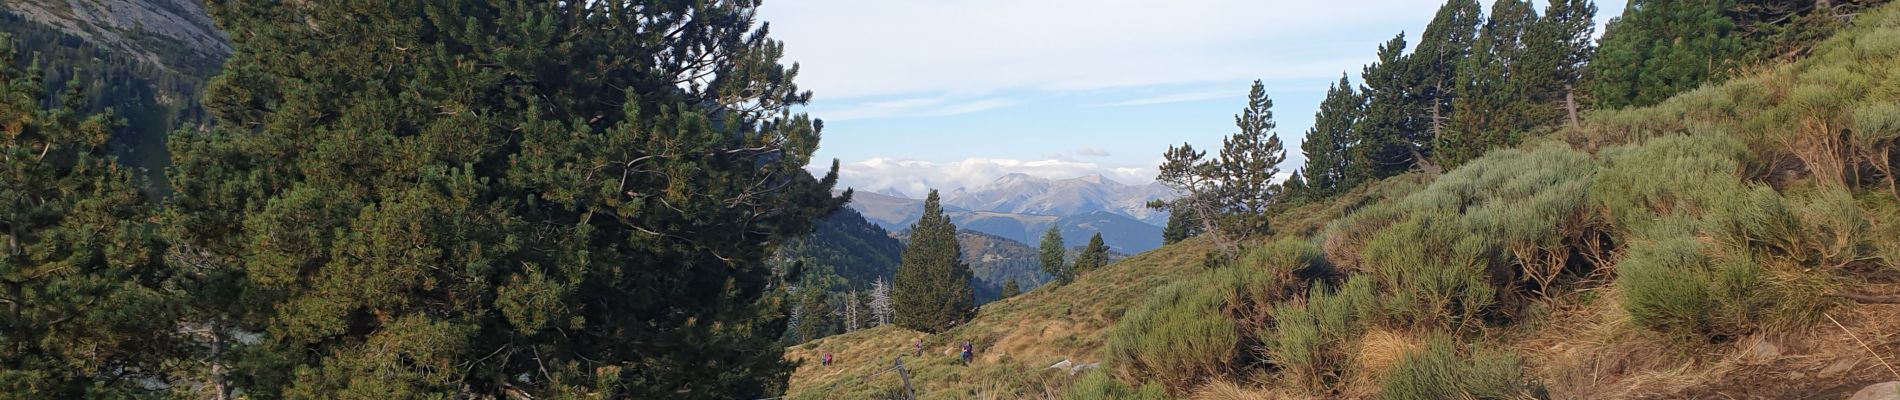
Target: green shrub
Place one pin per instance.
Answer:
(1533, 206)
(1433, 271)
(1671, 175)
(1835, 233)
(1438, 371)
(1309, 339)
(1179, 336)
(1097, 385)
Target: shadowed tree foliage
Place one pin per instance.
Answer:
(1382, 128)
(1329, 143)
(498, 198)
(1052, 252)
(933, 286)
(86, 309)
(1662, 47)
(1093, 256)
(1432, 77)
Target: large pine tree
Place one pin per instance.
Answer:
(1659, 48)
(1382, 142)
(1249, 159)
(1330, 162)
(1052, 252)
(933, 289)
(1492, 101)
(1431, 77)
(499, 198)
(85, 308)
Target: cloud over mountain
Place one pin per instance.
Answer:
(914, 178)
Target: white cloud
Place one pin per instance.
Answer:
(914, 107)
(915, 177)
(1172, 98)
(1091, 151)
(851, 49)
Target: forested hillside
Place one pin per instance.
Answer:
(147, 61)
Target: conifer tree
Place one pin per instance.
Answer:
(814, 314)
(1094, 256)
(1558, 47)
(1382, 148)
(1010, 289)
(1293, 190)
(1052, 252)
(1492, 102)
(86, 310)
(1181, 225)
(1432, 77)
(437, 198)
(1329, 143)
(933, 285)
(1249, 159)
(1659, 48)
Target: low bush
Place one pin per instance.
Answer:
(1433, 272)
(1099, 385)
(1440, 371)
(1309, 341)
(1179, 336)
(1193, 330)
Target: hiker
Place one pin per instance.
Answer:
(967, 353)
(919, 345)
(827, 361)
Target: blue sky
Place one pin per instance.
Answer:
(920, 94)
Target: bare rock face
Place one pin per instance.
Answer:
(135, 27)
(1879, 391)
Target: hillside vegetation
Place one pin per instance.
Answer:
(1741, 239)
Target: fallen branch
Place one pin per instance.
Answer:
(1869, 298)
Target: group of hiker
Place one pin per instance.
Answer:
(966, 352)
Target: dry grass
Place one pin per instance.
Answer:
(1379, 351)
(1016, 338)
(1228, 390)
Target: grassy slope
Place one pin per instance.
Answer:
(1013, 336)
(1576, 344)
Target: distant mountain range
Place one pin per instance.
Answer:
(1025, 194)
(1020, 207)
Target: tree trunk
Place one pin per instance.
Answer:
(1570, 105)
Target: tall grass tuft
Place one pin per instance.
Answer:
(1441, 371)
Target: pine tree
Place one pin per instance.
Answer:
(432, 199)
(881, 306)
(1052, 252)
(1431, 77)
(1094, 256)
(1293, 190)
(933, 285)
(1181, 225)
(1659, 48)
(1492, 102)
(1010, 289)
(1198, 186)
(87, 310)
(1249, 159)
(1329, 143)
(1382, 149)
(1558, 48)
(814, 314)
